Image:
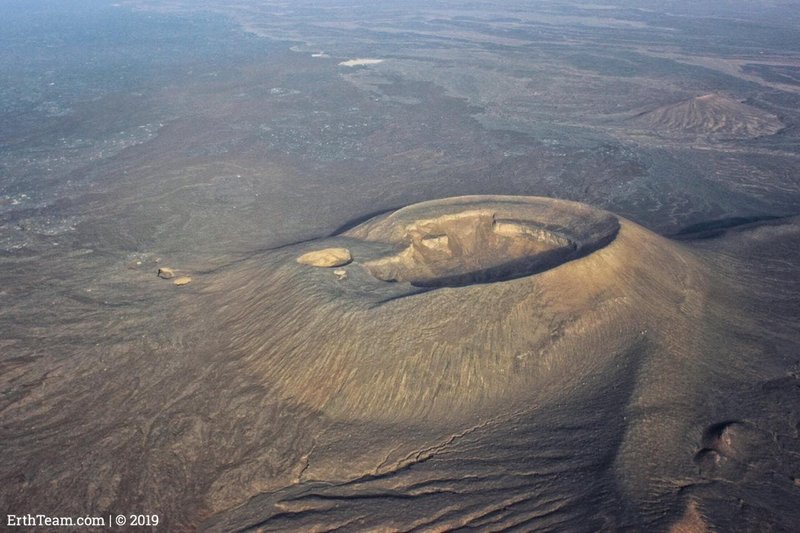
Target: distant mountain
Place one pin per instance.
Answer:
(710, 114)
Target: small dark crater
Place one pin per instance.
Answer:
(731, 445)
(726, 437)
(708, 459)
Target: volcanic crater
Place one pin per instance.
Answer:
(451, 307)
(463, 241)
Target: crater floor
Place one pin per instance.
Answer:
(468, 240)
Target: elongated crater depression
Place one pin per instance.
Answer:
(478, 240)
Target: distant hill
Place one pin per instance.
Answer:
(710, 114)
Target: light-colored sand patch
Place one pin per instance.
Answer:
(360, 62)
(691, 521)
(327, 258)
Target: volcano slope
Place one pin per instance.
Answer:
(506, 361)
(711, 115)
(487, 362)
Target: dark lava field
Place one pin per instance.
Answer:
(400, 266)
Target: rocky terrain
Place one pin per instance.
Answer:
(709, 115)
(395, 266)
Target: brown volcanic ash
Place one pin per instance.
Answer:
(448, 393)
(367, 348)
(535, 363)
(406, 371)
(710, 114)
